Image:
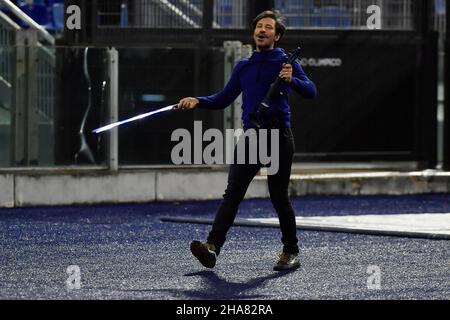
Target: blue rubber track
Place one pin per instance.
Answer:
(126, 252)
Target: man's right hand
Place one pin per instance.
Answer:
(187, 103)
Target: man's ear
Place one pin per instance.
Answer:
(277, 37)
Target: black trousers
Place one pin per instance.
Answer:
(239, 178)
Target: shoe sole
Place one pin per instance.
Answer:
(202, 254)
(287, 268)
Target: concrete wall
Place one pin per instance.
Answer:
(34, 190)
(6, 190)
(175, 185)
(140, 186)
(195, 185)
(23, 189)
(376, 183)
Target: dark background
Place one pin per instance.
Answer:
(380, 105)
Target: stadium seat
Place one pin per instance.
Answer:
(38, 13)
(332, 17)
(295, 15)
(4, 9)
(50, 3)
(58, 16)
(123, 14)
(226, 8)
(20, 3)
(439, 6)
(293, 12)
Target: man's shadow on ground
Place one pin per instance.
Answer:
(216, 287)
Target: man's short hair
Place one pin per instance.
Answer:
(280, 27)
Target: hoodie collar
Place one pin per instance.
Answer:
(275, 54)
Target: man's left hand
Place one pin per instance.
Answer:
(286, 73)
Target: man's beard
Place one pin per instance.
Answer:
(264, 47)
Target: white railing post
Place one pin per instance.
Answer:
(21, 15)
(113, 135)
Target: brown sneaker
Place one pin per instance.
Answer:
(205, 253)
(287, 262)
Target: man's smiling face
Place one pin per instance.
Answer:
(265, 34)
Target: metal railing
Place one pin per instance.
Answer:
(233, 14)
(230, 14)
(171, 14)
(8, 29)
(150, 14)
(345, 14)
(46, 84)
(27, 91)
(30, 22)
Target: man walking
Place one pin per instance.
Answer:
(253, 76)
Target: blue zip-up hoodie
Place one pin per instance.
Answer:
(253, 76)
